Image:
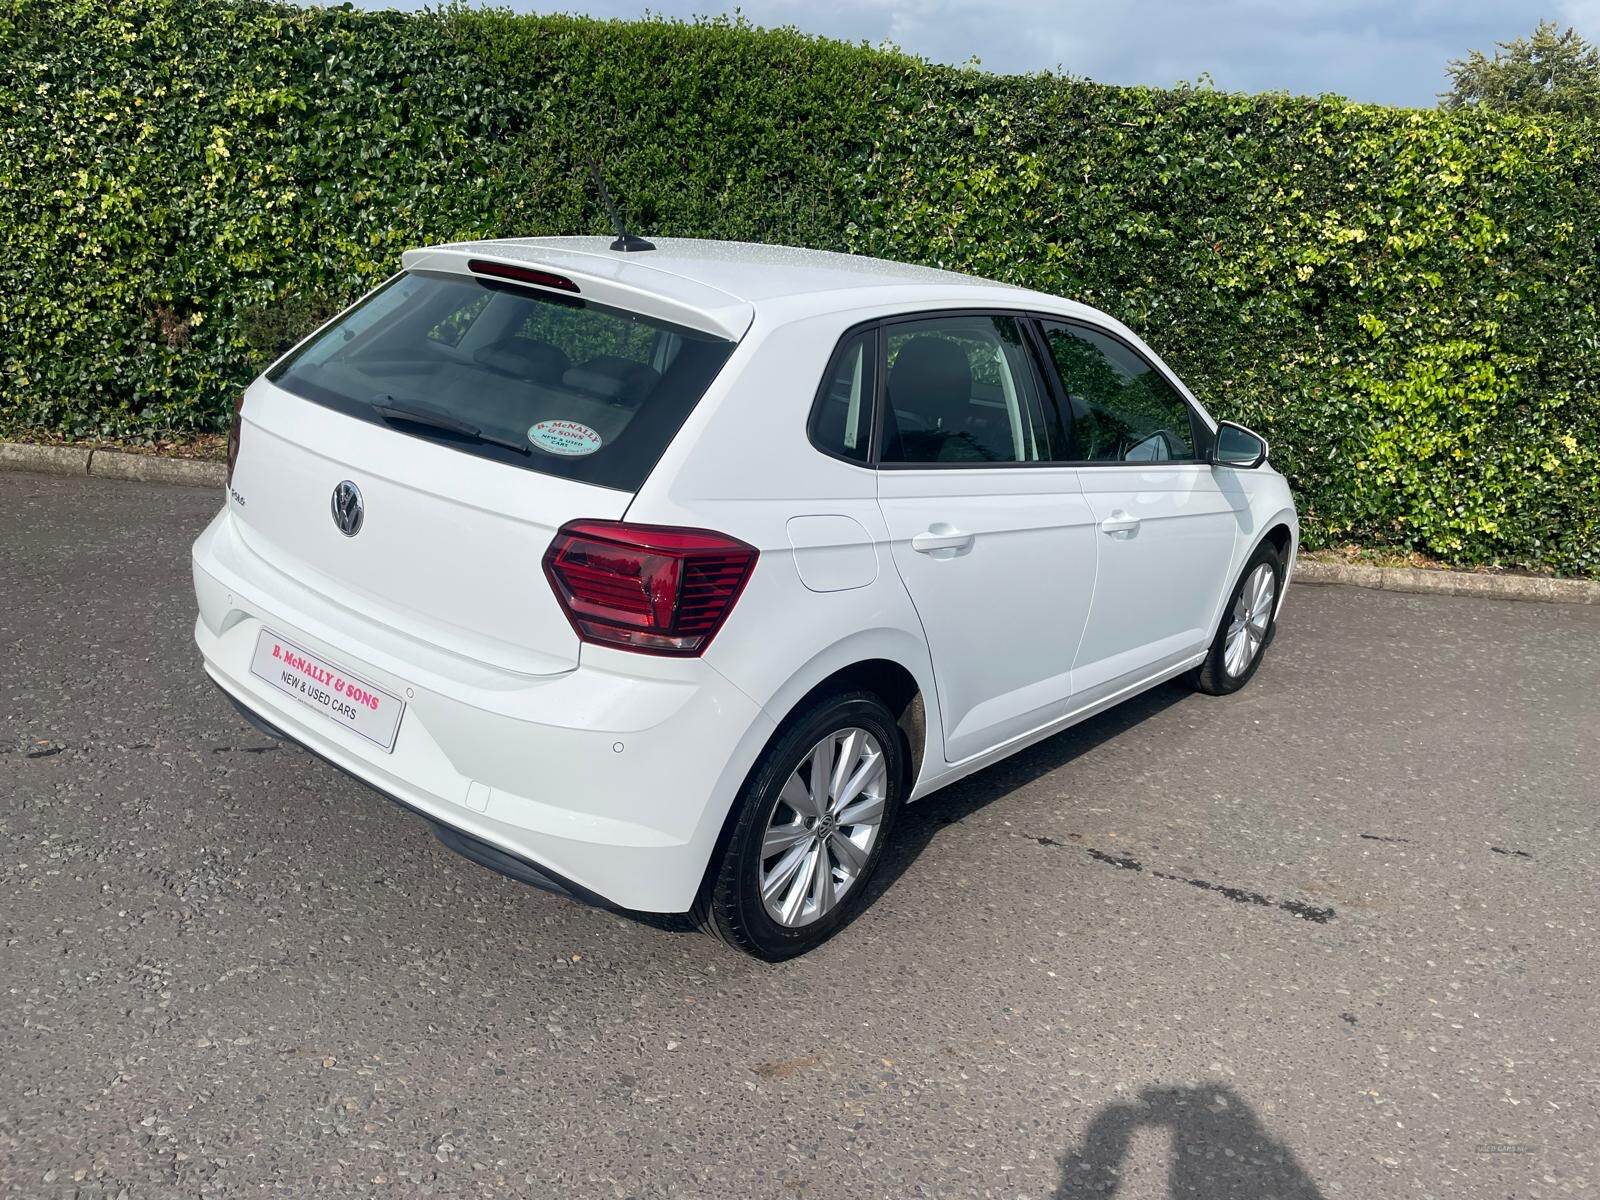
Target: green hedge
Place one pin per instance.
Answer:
(1407, 303)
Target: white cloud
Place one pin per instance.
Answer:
(1392, 51)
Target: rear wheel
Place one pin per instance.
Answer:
(1246, 627)
(811, 827)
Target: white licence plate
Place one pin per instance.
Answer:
(332, 691)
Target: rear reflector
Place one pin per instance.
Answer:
(532, 275)
(656, 589)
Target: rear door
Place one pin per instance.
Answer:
(995, 543)
(1164, 530)
(474, 417)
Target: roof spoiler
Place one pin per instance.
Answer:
(620, 283)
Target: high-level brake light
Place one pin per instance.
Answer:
(482, 266)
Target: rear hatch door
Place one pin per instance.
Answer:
(471, 417)
(448, 550)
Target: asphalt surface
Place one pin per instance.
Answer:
(1332, 937)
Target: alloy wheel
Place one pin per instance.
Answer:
(1252, 614)
(822, 830)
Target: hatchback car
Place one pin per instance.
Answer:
(665, 579)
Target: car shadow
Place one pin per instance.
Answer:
(1218, 1149)
(919, 824)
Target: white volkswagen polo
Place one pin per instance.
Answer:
(664, 577)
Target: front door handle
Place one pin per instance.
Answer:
(1119, 522)
(940, 537)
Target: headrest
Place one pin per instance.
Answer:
(932, 377)
(527, 358)
(613, 378)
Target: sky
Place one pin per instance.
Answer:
(1392, 52)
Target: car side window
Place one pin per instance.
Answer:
(1122, 408)
(960, 389)
(841, 418)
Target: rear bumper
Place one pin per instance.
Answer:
(476, 849)
(608, 783)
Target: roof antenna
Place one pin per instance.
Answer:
(625, 241)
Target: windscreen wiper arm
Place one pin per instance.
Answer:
(430, 418)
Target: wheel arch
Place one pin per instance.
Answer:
(889, 662)
(1283, 527)
(899, 690)
(1281, 537)
(1282, 531)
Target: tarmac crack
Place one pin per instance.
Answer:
(1125, 862)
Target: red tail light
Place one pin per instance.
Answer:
(656, 589)
(233, 436)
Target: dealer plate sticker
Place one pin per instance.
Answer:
(570, 439)
(332, 691)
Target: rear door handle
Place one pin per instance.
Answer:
(1119, 522)
(940, 537)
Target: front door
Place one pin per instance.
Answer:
(994, 543)
(1164, 529)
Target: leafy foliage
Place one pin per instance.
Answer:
(1406, 303)
(1554, 71)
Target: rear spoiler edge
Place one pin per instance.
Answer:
(696, 306)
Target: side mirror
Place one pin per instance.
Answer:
(1237, 446)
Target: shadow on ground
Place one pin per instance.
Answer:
(921, 822)
(1217, 1149)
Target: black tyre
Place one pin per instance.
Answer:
(809, 829)
(1247, 626)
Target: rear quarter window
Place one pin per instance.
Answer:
(841, 417)
(546, 382)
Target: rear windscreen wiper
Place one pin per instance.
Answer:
(430, 418)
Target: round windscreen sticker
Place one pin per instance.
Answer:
(570, 438)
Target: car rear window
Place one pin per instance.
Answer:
(551, 383)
